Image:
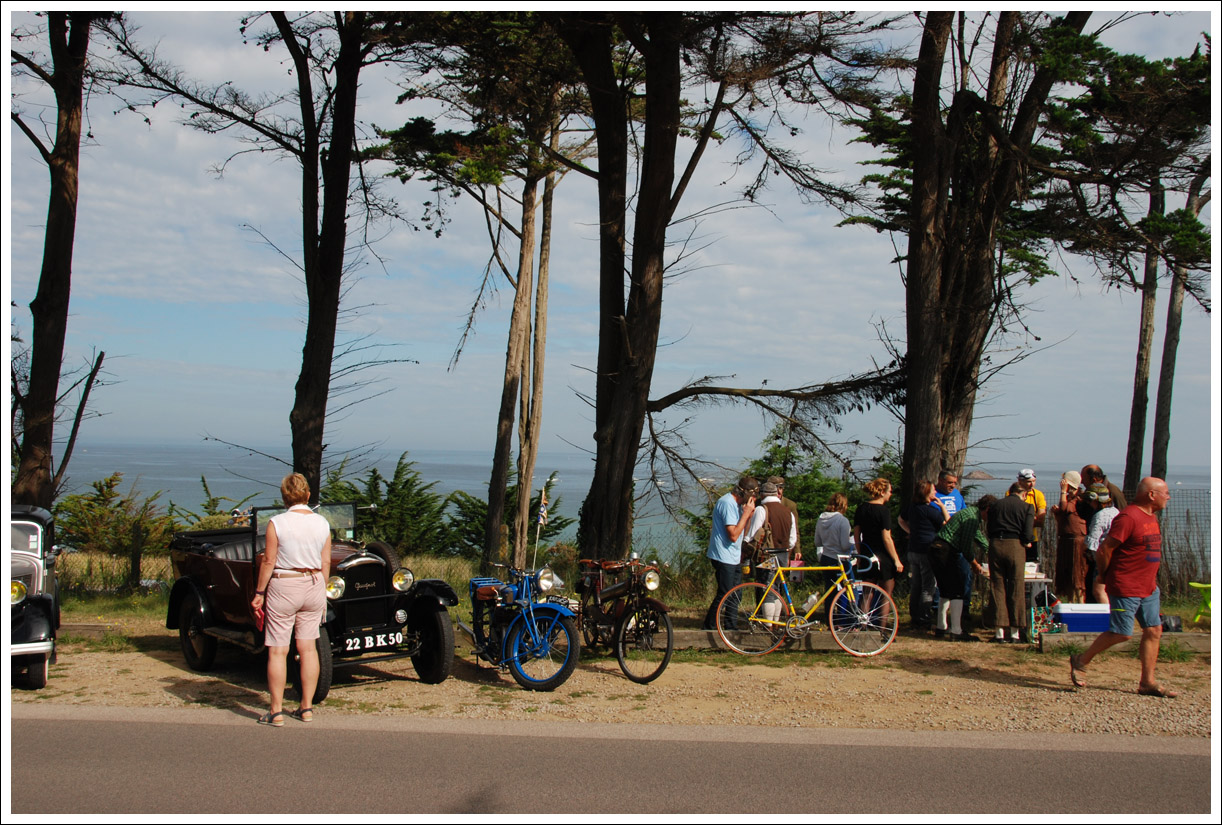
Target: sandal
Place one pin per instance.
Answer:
(1157, 690)
(276, 720)
(1077, 671)
(304, 714)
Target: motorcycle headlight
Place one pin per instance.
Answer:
(17, 592)
(402, 580)
(545, 580)
(335, 587)
(653, 580)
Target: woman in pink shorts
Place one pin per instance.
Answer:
(292, 593)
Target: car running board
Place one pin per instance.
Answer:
(244, 639)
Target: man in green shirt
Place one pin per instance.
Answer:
(963, 535)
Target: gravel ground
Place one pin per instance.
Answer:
(919, 684)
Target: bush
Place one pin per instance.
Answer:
(105, 521)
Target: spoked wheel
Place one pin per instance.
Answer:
(326, 666)
(864, 622)
(751, 619)
(644, 642)
(593, 633)
(198, 648)
(543, 660)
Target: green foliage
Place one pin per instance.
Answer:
(403, 511)
(469, 517)
(214, 510)
(108, 521)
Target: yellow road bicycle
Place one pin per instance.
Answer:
(757, 617)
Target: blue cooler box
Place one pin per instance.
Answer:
(1083, 618)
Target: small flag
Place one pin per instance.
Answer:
(543, 506)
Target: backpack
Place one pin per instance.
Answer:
(753, 551)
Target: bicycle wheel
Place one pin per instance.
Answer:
(546, 660)
(864, 625)
(644, 641)
(751, 619)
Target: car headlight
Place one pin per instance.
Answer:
(653, 580)
(403, 579)
(545, 580)
(335, 587)
(17, 592)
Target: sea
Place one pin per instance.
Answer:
(176, 472)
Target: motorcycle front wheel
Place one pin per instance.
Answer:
(644, 642)
(545, 659)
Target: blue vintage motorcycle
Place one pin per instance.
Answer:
(518, 627)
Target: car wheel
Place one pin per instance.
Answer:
(35, 676)
(326, 666)
(386, 552)
(198, 648)
(435, 660)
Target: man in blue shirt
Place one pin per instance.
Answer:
(947, 491)
(731, 515)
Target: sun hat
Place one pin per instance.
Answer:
(1073, 478)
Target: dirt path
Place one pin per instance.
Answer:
(919, 684)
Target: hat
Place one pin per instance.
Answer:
(1099, 493)
(769, 488)
(1027, 473)
(777, 480)
(1073, 478)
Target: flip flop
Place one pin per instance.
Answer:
(304, 714)
(1157, 690)
(1076, 671)
(276, 720)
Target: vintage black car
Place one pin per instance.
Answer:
(376, 609)
(34, 594)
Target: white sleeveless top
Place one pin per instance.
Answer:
(300, 538)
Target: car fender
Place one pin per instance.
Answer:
(35, 624)
(436, 589)
(181, 588)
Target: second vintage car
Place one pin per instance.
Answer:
(33, 594)
(376, 609)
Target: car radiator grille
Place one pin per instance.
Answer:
(364, 603)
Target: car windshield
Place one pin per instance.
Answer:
(341, 517)
(26, 537)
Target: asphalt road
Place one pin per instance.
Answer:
(75, 760)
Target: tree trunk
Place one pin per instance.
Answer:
(1171, 344)
(531, 421)
(628, 334)
(1145, 340)
(926, 239)
(1166, 375)
(962, 185)
(515, 355)
(589, 36)
(68, 33)
(323, 243)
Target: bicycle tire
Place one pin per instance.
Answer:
(865, 625)
(738, 619)
(644, 642)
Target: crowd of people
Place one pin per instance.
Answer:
(1106, 551)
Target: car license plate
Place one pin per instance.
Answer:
(372, 641)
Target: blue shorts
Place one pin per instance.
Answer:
(1127, 608)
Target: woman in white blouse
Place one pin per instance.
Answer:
(292, 593)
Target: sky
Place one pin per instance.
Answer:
(202, 320)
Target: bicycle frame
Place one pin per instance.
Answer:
(847, 576)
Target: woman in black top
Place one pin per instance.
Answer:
(872, 532)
